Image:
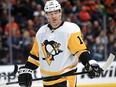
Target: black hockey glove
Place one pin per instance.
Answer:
(94, 69)
(25, 77)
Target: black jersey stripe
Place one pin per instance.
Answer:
(34, 57)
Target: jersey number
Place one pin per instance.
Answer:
(81, 42)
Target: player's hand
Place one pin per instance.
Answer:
(94, 69)
(25, 77)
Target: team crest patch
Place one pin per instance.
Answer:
(50, 49)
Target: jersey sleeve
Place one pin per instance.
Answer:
(76, 43)
(34, 54)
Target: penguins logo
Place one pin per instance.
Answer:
(50, 49)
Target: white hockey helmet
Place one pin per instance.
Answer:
(52, 5)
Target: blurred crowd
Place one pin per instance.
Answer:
(96, 18)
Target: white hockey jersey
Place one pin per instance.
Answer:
(54, 51)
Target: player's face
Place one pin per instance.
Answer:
(54, 18)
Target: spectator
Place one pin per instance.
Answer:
(14, 28)
(84, 16)
(67, 7)
(96, 28)
(27, 37)
(96, 14)
(38, 18)
(27, 43)
(39, 10)
(30, 28)
(37, 23)
(16, 47)
(99, 46)
(110, 6)
(77, 6)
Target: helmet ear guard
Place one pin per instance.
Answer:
(52, 5)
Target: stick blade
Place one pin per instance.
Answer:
(109, 61)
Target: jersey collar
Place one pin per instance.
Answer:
(51, 28)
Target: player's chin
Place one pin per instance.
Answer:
(54, 22)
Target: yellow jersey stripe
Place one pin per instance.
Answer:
(57, 73)
(34, 50)
(54, 81)
(31, 60)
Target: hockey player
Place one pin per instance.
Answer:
(57, 49)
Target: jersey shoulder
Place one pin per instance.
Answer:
(71, 27)
(42, 29)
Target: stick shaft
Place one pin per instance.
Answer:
(51, 77)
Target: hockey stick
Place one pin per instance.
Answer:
(48, 78)
(108, 62)
(104, 67)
